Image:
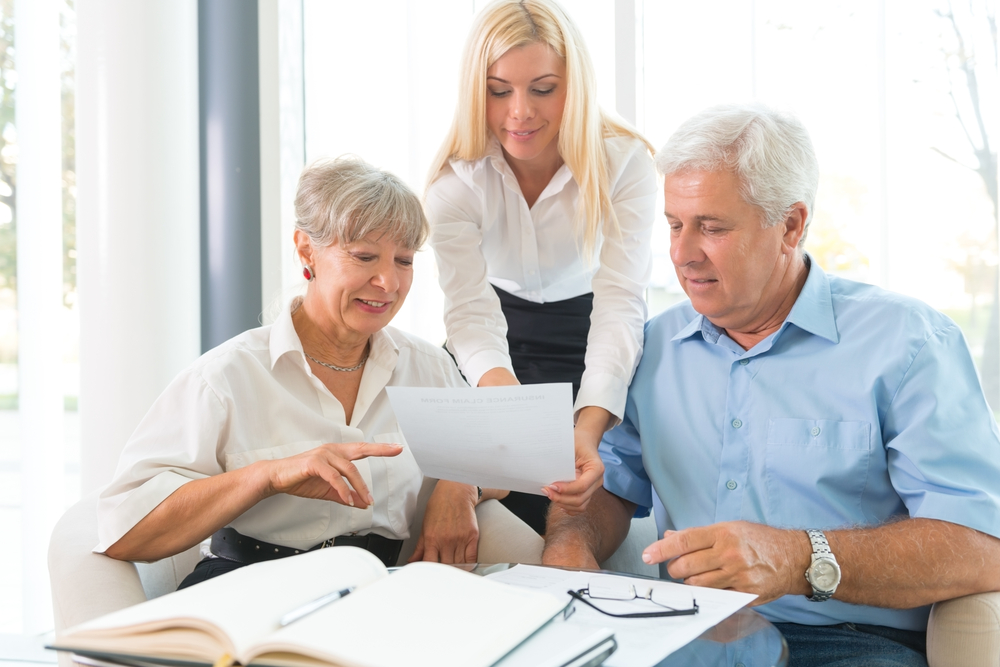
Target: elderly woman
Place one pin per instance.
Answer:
(282, 439)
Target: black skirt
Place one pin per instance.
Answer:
(548, 343)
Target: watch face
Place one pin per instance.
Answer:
(824, 574)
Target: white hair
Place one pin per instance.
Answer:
(770, 152)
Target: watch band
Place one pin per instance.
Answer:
(819, 544)
(821, 551)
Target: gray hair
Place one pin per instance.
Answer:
(346, 199)
(770, 153)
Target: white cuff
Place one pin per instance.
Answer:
(114, 521)
(603, 390)
(481, 362)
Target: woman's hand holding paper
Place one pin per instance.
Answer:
(574, 496)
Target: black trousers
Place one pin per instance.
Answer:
(548, 343)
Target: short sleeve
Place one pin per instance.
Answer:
(624, 474)
(943, 446)
(177, 441)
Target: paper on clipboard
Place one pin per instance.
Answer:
(518, 438)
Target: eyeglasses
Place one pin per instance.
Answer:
(615, 589)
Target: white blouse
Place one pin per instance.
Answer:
(483, 232)
(253, 398)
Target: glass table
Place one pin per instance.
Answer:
(745, 639)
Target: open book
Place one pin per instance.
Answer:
(423, 614)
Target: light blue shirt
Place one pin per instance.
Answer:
(863, 406)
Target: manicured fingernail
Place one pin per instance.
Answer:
(371, 501)
(646, 558)
(350, 501)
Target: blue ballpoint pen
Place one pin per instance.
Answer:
(310, 607)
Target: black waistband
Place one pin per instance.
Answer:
(579, 306)
(547, 341)
(229, 544)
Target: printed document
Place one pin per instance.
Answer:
(642, 642)
(518, 438)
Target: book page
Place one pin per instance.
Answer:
(228, 613)
(425, 614)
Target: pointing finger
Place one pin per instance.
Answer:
(366, 449)
(677, 543)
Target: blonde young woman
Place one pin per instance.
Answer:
(541, 208)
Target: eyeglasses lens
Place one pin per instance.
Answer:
(610, 588)
(671, 598)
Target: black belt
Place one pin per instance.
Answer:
(231, 545)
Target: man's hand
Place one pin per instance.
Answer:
(738, 555)
(450, 532)
(324, 473)
(574, 496)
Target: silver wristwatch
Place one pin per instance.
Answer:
(824, 571)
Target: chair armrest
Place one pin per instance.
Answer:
(86, 585)
(965, 632)
(628, 558)
(164, 576)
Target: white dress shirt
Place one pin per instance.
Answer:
(483, 232)
(254, 398)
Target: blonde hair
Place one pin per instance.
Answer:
(507, 24)
(346, 199)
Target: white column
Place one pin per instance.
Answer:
(625, 59)
(39, 296)
(137, 214)
(282, 145)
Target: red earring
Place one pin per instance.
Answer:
(307, 273)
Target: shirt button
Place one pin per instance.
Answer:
(737, 423)
(532, 272)
(744, 362)
(731, 485)
(815, 431)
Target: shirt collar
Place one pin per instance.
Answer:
(494, 154)
(812, 311)
(284, 340)
(701, 324)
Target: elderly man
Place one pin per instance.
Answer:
(822, 443)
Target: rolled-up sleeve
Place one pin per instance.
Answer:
(614, 344)
(178, 440)
(942, 442)
(477, 330)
